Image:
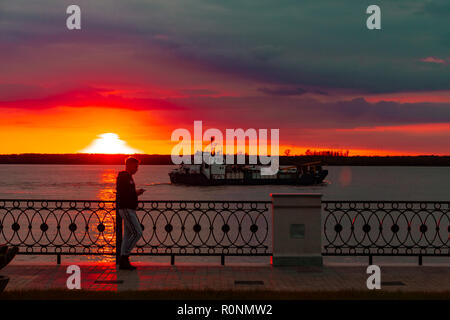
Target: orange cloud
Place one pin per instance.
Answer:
(411, 97)
(415, 128)
(433, 60)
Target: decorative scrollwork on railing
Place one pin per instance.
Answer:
(386, 228)
(204, 227)
(58, 227)
(169, 227)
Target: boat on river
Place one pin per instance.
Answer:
(204, 174)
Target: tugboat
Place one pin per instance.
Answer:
(204, 174)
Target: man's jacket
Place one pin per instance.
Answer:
(126, 197)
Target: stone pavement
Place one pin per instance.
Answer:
(104, 276)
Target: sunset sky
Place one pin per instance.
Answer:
(143, 68)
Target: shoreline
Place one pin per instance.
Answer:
(146, 159)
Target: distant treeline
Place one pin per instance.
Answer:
(147, 159)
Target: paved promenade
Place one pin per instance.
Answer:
(229, 277)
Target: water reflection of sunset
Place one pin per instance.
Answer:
(107, 181)
(105, 215)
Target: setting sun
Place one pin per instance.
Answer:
(109, 143)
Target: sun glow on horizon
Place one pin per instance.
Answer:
(109, 143)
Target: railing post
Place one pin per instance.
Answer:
(297, 229)
(118, 235)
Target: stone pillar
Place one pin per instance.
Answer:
(297, 229)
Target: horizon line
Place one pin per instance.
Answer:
(161, 154)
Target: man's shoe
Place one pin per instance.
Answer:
(2, 261)
(125, 264)
(7, 255)
(3, 249)
(11, 253)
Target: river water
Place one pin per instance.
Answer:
(91, 182)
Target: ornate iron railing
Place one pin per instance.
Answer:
(222, 228)
(170, 228)
(386, 228)
(59, 227)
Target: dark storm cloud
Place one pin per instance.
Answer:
(436, 8)
(289, 112)
(289, 91)
(284, 42)
(200, 92)
(283, 91)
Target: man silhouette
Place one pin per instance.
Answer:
(126, 202)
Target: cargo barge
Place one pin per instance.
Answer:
(220, 174)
